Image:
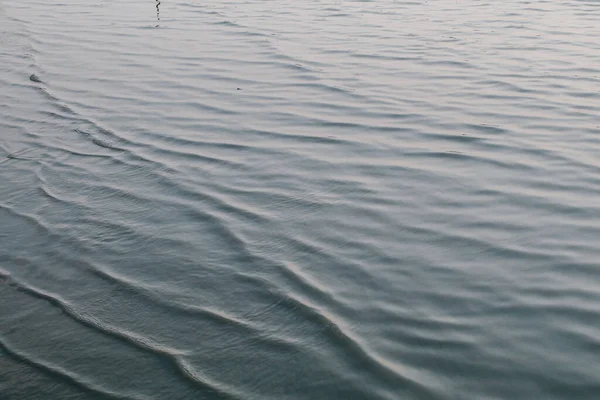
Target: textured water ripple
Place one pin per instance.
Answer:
(284, 200)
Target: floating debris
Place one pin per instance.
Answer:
(35, 78)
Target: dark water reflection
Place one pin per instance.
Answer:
(299, 200)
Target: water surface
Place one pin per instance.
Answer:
(299, 200)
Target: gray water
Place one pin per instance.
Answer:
(299, 200)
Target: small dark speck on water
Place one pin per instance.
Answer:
(35, 78)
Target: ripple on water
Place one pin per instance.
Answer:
(283, 200)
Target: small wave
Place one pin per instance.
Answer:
(173, 356)
(65, 375)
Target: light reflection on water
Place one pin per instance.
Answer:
(301, 200)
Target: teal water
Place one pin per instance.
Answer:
(299, 200)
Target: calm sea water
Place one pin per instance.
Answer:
(299, 200)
